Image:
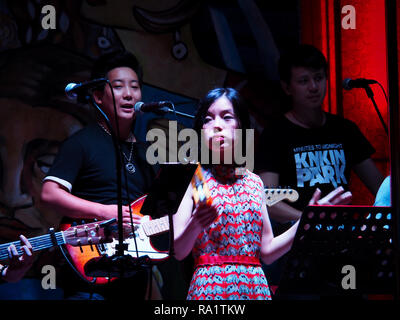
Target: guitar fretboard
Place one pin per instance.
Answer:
(38, 243)
(156, 226)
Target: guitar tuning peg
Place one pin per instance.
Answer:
(79, 245)
(91, 243)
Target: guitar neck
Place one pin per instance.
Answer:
(38, 243)
(156, 226)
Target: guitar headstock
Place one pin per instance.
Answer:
(275, 195)
(89, 234)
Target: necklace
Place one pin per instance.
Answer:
(130, 167)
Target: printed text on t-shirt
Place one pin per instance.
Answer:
(320, 163)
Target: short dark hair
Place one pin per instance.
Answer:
(303, 55)
(239, 107)
(116, 59)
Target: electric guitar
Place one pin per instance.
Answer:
(139, 244)
(84, 235)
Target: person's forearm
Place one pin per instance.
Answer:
(185, 239)
(66, 204)
(279, 245)
(282, 212)
(370, 175)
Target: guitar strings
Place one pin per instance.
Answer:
(38, 243)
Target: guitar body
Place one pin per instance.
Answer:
(141, 242)
(79, 256)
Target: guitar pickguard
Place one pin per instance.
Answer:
(137, 247)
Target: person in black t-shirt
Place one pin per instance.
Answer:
(82, 182)
(308, 149)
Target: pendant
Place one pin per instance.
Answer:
(130, 167)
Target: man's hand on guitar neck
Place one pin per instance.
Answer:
(19, 264)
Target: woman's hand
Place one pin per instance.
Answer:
(336, 197)
(203, 215)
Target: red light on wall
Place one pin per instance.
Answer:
(358, 52)
(364, 55)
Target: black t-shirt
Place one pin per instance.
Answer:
(86, 166)
(306, 159)
(86, 162)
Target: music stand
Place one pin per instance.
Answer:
(328, 239)
(168, 189)
(167, 192)
(164, 198)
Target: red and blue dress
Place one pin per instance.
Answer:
(227, 253)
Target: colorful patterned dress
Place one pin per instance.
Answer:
(227, 264)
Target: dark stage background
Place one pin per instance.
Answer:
(186, 47)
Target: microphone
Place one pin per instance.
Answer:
(159, 107)
(73, 90)
(349, 84)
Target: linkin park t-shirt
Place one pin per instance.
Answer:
(306, 159)
(320, 163)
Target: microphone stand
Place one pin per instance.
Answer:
(370, 95)
(181, 113)
(168, 110)
(123, 262)
(116, 139)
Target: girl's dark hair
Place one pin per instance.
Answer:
(239, 108)
(116, 59)
(303, 55)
